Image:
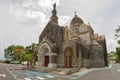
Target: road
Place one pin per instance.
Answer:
(14, 72)
(4, 71)
(105, 74)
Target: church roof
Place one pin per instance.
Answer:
(76, 20)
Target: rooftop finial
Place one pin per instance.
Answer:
(54, 5)
(88, 23)
(75, 12)
(54, 17)
(54, 9)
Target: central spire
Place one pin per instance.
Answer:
(54, 17)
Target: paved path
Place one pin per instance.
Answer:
(31, 75)
(15, 72)
(4, 73)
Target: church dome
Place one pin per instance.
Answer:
(76, 21)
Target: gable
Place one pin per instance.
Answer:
(51, 30)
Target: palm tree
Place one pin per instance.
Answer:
(117, 32)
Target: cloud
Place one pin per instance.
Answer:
(63, 20)
(29, 17)
(32, 12)
(46, 4)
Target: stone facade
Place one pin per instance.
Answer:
(75, 46)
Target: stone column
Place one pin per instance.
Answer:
(50, 60)
(41, 60)
(38, 60)
(51, 64)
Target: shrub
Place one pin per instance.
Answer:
(7, 61)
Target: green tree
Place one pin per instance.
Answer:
(29, 49)
(13, 52)
(29, 52)
(117, 35)
(26, 57)
(19, 53)
(118, 54)
(117, 32)
(9, 52)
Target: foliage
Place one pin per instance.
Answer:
(117, 32)
(118, 54)
(7, 61)
(19, 53)
(117, 35)
(118, 42)
(29, 49)
(13, 52)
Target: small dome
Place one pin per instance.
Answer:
(76, 21)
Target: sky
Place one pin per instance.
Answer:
(22, 21)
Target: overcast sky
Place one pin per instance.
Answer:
(22, 21)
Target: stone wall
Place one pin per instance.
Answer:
(103, 44)
(97, 57)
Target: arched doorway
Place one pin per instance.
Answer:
(44, 55)
(68, 57)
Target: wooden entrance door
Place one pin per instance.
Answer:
(68, 61)
(46, 61)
